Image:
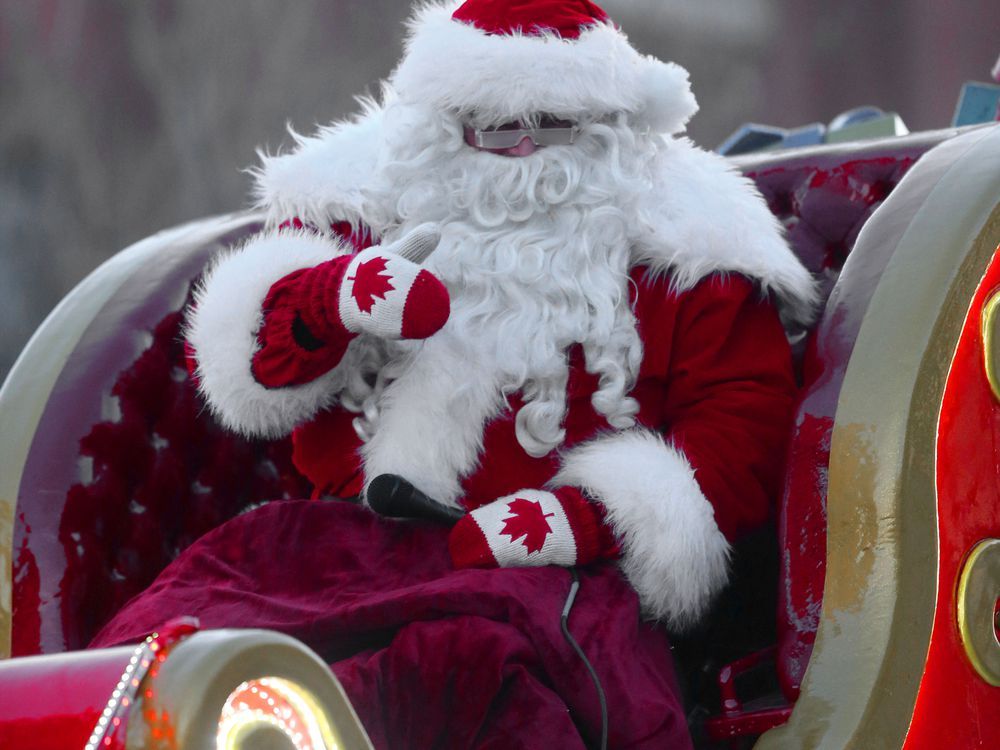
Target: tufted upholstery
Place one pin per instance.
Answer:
(152, 471)
(823, 196)
(158, 476)
(138, 467)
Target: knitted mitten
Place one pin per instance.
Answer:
(533, 527)
(312, 315)
(381, 291)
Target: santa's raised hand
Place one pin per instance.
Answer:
(382, 291)
(311, 315)
(385, 292)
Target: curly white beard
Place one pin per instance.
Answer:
(535, 253)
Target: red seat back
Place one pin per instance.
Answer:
(125, 467)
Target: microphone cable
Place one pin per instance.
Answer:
(394, 497)
(564, 621)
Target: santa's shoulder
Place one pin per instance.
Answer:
(654, 294)
(703, 217)
(323, 178)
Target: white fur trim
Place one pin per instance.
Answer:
(674, 554)
(223, 327)
(455, 66)
(431, 419)
(558, 547)
(703, 217)
(323, 179)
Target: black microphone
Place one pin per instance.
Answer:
(392, 496)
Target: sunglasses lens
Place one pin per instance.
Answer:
(500, 138)
(511, 137)
(553, 136)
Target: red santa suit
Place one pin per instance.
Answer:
(715, 394)
(713, 386)
(696, 461)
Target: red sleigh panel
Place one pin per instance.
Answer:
(823, 197)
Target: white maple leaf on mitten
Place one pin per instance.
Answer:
(530, 528)
(386, 293)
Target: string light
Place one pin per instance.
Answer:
(279, 704)
(146, 655)
(128, 684)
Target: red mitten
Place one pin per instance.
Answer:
(387, 294)
(311, 315)
(533, 527)
(382, 291)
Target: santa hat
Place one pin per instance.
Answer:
(493, 61)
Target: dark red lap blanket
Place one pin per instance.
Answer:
(431, 657)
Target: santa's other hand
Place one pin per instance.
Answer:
(531, 528)
(386, 294)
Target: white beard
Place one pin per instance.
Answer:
(535, 254)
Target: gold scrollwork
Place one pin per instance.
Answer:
(978, 591)
(991, 341)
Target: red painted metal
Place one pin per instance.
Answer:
(53, 702)
(738, 719)
(731, 703)
(955, 707)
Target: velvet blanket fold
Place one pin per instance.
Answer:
(431, 657)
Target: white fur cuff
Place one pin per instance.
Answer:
(223, 327)
(674, 554)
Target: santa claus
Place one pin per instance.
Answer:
(511, 283)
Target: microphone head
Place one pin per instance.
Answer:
(383, 492)
(392, 496)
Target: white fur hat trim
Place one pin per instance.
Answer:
(494, 78)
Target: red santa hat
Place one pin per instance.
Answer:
(493, 61)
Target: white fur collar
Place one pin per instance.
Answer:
(323, 179)
(705, 217)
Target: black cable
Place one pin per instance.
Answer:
(574, 587)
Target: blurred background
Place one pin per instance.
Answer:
(122, 117)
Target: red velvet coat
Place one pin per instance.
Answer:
(708, 263)
(715, 379)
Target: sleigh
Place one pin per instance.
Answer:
(867, 618)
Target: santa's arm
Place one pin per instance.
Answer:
(272, 323)
(677, 497)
